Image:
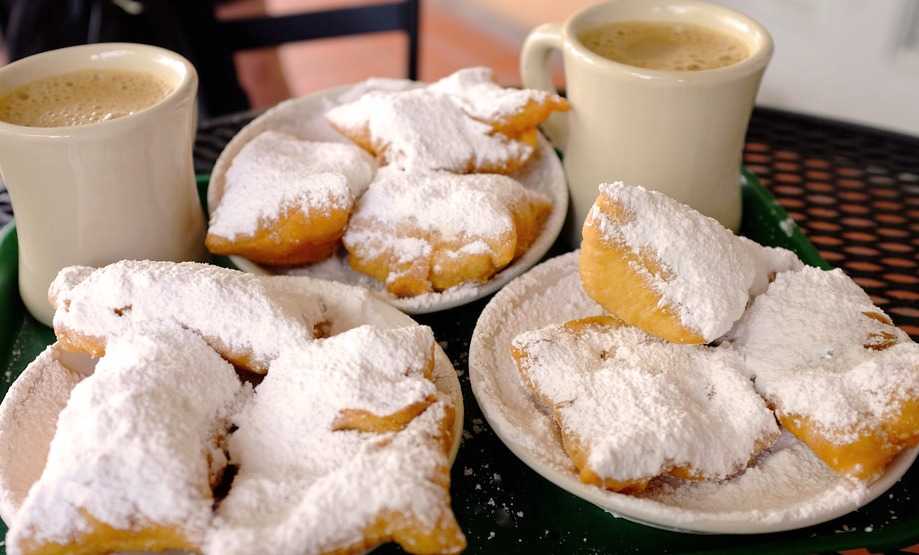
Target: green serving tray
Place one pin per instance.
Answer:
(502, 505)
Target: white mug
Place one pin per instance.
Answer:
(680, 132)
(98, 193)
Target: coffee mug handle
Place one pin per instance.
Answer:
(534, 69)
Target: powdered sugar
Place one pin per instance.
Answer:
(152, 472)
(847, 401)
(707, 273)
(642, 406)
(768, 261)
(449, 125)
(407, 214)
(475, 90)
(376, 84)
(804, 340)
(320, 489)
(239, 315)
(276, 172)
(422, 130)
(806, 318)
(65, 280)
(366, 368)
(789, 482)
(27, 428)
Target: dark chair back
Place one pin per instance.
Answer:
(261, 32)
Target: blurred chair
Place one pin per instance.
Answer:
(268, 31)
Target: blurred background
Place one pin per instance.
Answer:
(847, 59)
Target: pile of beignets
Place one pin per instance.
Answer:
(220, 418)
(710, 346)
(442, 210)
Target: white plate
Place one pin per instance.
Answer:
(28, 414)
(788, 488)
(304, 117)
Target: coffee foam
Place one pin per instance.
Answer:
(664, 45)
(82, 98)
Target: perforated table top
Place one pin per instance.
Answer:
(855, 193)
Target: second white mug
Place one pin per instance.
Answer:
(680, 132)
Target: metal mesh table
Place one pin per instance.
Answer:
(855, 192)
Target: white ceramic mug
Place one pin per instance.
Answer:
(680, 132)
(95, 194)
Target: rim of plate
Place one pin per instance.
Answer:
(557, 190)
(482, 363)
(354, 304)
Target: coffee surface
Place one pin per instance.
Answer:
(664, 45)
(81, 98)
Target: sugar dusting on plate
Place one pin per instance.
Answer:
(788, 483)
